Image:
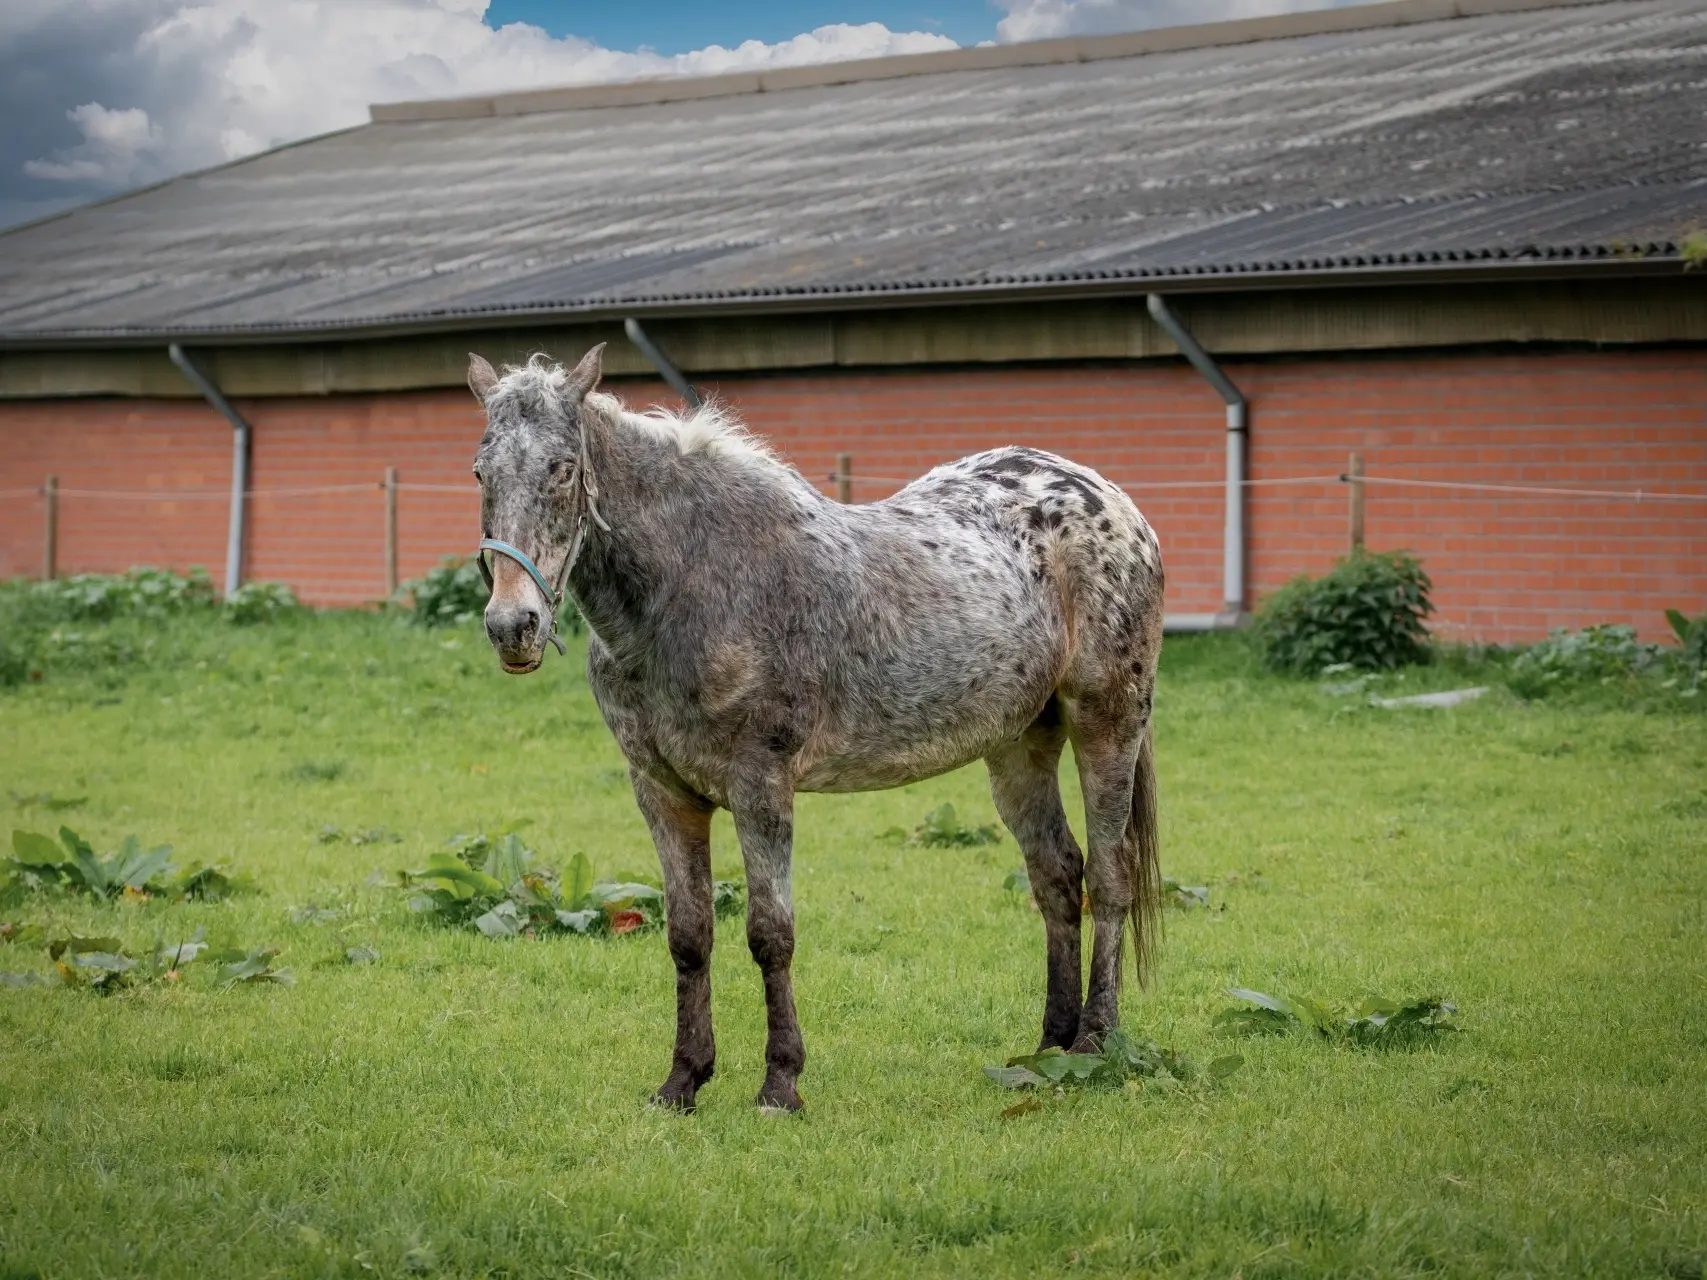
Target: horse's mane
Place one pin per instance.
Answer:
(712, 429)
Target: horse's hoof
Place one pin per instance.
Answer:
(775, 1103)
(1087, 1043)
(668, 1099)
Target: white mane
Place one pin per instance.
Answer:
(711, 429)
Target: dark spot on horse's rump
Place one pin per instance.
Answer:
(1034, 517)
(1007, 482)
(1013, 464)
(1055, 519)
(1019, 670)
(1104, 525)
(927, 544)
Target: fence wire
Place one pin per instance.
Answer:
(379, 486)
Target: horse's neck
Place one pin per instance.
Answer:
(650, 496)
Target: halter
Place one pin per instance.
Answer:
(582, 481)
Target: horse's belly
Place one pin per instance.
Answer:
(931, 708)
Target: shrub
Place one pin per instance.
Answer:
(1594, 655)
(258, 602)
(451, 593)
(1692, 641)
(144, 592)
(1367, 613)
(15, 665)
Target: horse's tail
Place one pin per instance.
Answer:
(1143, 851)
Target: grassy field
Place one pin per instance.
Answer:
(474, 1107)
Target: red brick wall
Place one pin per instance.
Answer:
(1506, 567)
(131, 447)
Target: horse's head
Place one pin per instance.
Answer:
(536, 494)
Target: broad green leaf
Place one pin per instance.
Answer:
(74, 843)
(509, 860)
(578, 882)
(502, 921)
(182, 954)
(1011, 1077)
(135, 868)
(79, 945)
(458, 877)
(1224, 1066)
(1313, 1014)
(104, 961)
(580, 921)
(35, 849)
(1260, 998)
(622, 894)
(257, 966)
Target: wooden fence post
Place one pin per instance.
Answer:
(1355, 503)
(390, 532)
(844, 477)
(50, 530)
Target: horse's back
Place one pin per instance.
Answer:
(979, 590)
(1083, 541)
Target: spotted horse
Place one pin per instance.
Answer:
(751, 639)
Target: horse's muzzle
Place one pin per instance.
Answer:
(515, 633)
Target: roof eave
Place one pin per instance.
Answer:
(865, 299)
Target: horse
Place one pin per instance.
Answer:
(751, 638)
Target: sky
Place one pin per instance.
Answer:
(101, 96)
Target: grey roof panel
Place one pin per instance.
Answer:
(1551, 135)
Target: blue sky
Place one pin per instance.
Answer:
(676, 26)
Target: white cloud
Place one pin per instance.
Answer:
(115, 145)
(204, 81)
(1043, 19)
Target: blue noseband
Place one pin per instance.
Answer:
(553, 596)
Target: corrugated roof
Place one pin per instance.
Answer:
(1511, 141)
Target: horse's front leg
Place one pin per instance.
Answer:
(681, 828)
(763, 808)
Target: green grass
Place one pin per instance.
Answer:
(472, 1107)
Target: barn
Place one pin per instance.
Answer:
(1459, 244)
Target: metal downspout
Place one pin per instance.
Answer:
(1233, 529)
(661, 362)
(239, 462)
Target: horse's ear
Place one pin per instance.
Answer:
(586, 376)
(481, 377)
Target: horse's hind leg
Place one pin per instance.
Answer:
(681, 828)
(1025, 784)
(1109, 741)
